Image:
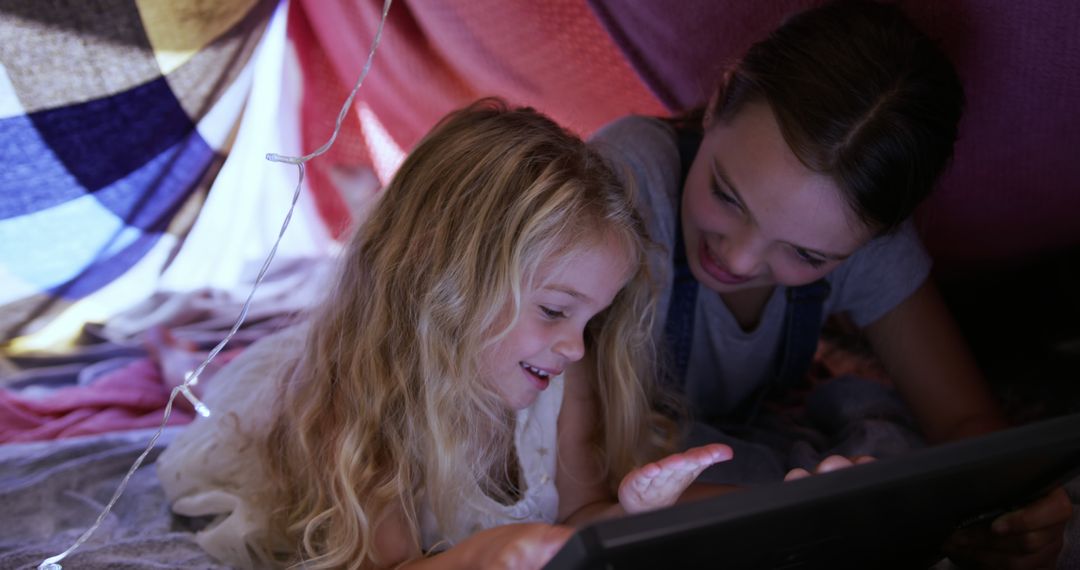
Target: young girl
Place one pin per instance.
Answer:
(481, 370)
(786, 199)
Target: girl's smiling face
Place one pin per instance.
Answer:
(753, 215)
(548, 335)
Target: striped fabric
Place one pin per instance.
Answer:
(115, 116)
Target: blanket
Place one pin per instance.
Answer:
(115, 118)
(53, 491)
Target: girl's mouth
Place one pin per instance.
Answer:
(539, 377)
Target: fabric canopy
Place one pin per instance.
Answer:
(133, 138)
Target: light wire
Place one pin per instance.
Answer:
(192, 378)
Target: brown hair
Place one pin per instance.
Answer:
(860, 95)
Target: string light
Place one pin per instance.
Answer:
(192, 378)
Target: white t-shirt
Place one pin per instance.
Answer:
(727, 364)
(535, 439)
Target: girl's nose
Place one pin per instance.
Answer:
(571, 345)
(741, 255)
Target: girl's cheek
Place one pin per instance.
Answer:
(714, 220)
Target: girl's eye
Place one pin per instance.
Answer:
(809, 258)
(725, 197)
(551, 313)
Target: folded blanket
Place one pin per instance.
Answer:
(133, 396)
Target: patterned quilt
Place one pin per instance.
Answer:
(115, 115)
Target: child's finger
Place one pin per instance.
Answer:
(833, 463)
(704, 455)
(709, 454)
(716, 453)
(797, 473)
(1027, 543)
(1051, 510)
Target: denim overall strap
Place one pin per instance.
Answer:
(679, 325)
(802, 328)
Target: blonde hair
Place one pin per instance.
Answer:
(385, 406)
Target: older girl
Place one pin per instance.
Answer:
(786, 199)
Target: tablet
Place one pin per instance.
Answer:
(892, 513)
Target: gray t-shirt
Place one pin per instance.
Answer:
(726, 364)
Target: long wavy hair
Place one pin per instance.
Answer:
(385, 410)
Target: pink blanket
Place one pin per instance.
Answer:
(132, 396)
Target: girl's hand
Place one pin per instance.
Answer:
(830, 463)
(524, 546)
(659, 484)
(1027, 538)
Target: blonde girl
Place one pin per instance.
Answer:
(481, 370)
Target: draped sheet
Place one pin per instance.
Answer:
(115, 117)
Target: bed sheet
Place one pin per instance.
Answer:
(53, 491)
